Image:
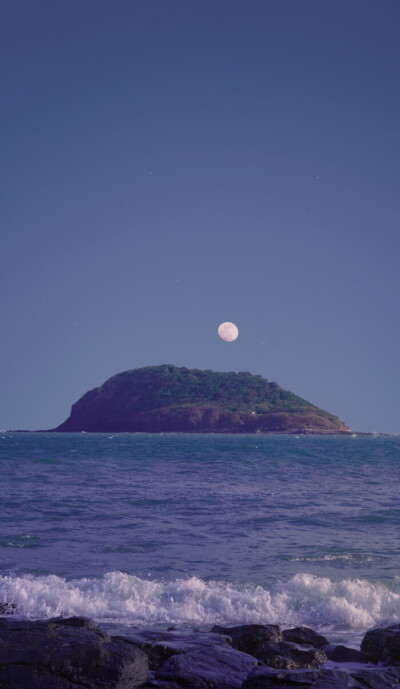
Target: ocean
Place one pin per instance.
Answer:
(149, 530)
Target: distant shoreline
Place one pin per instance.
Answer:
(238, 433)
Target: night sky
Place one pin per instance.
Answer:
(167, 165)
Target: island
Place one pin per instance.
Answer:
(168, 399)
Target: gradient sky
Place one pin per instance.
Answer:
(171, 164)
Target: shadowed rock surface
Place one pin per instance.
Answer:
(7, 608)
(220, 667)
(343, 654)
(382, 644)
(73, 653)
(169, 399)
(67, 654)
(287, 655)
(376, 678)
(251, 637)
(159, 645)
(304, 635)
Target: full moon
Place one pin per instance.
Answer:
(228, 332)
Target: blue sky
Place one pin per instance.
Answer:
(171, 164)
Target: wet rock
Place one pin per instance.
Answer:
(286, 655)
(8, 608)
(382, 644)
(67, 654)
(376, 678)
(154, 683)
(304, 635)
(343, 654)
(221, 667)
(159, 684)
(266, 678)
(159, 645)
(250, 637)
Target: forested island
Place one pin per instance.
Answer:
(166, 399)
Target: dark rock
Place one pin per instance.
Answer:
(265, 643)
(376, 678)
(343, 654)
(304, 635)
(382, 644)
(157, 651)
(159, 684)
(267, 678)
(170, 399)
(286, 655)
(8, 608)
(220, 667)
(78, 622)
(64, 654)
(250, 637)
(159, 645)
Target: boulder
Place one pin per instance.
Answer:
(286, 655)
(161, 645)
(304, 635)
(376, 678)
(67, 654)
(267, 678)
(382, 644)
(250, 637)
(343, 654)
(221, 667)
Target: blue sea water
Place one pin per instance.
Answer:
(202, 529)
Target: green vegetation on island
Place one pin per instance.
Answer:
(171, 399)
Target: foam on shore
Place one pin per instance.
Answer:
(304, 599)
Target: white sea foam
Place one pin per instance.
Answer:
(119, 597)
(336, 557)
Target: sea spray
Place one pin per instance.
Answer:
(127, 599)
(201, 529)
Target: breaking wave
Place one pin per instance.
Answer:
(118, 597)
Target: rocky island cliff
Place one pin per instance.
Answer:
(166, 399)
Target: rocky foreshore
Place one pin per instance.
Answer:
(74, 653)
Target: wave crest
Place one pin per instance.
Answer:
(128, 599)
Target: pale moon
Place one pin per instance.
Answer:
(228, 332)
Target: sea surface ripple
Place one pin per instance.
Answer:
(152, 529)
